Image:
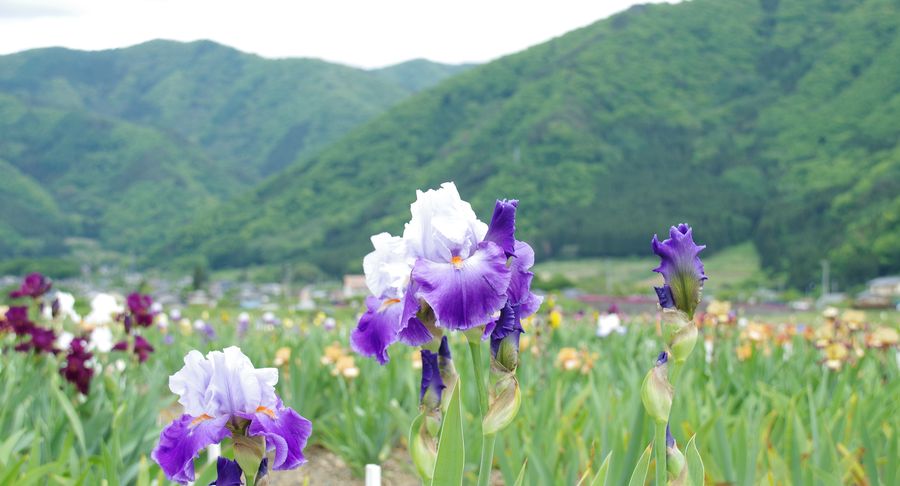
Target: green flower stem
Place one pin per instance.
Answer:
(475, 349)
(659, 445)
(487, 459)
(675, 375)
(487, 441)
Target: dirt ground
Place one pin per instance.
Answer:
(326, 468)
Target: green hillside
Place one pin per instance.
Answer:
(253, 114)
(774, 121)
(76, 173)
(131, 142)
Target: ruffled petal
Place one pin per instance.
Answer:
(465, 293)
(285, 431)
(520, 283)
(378, 328)
(502, 229)
(182, 440)
(680, 266)
(507, 325)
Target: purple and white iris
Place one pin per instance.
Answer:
(223, 395)
(681, 268)
(448, 261)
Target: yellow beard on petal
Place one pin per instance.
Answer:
(457, 262)
(266, 411)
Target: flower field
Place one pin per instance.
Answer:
(455, 371)
(768, 418)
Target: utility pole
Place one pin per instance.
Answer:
(826, 277)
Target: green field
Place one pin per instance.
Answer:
(734, 268)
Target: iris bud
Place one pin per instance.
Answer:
(249, 453)
(675, 463)
(680, 332)
(505, 401)
(657, 392)
(423, 447)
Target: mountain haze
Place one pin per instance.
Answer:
(773, 121)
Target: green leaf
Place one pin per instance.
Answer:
(74, 421)
(143, 477)
(639, 475)
(451, 456)
(602, 473)
(520, 480)
(9, 445)
(694, 463)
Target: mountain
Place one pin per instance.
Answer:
(419, 74)
(119, 145)
(771, 121)
(128, 183)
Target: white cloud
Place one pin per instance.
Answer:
(357, 32)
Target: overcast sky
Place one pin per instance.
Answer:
(366, 33)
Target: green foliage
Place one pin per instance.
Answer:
(122, 145)
(419, 74)
(771, 121)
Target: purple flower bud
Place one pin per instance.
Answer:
(432, 383)
(681, 268)
(228, 473)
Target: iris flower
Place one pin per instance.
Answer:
(225, 396)
(447, 262)
(139, 311)
(681, 268)
(35, 285)
(76, 369)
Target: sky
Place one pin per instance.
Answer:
(363, 33)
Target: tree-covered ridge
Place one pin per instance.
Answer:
(129, 183)
(771, 120)
(419, 74)
(121, 145)
(253, 114)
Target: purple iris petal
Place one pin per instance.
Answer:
(444, 349)
(285, 431)
(413, 333)
(142, 348)
(182, 440)
(465, 293)
(76, 369)
(680, 266)
(17, 319)
(228, 473)
(140, 308)
(519, 291)
(666, 299)
(502, 229)
(378, 328)
(34, 285)
(431, 378)
(508, 325)
(670, 441)
(662, 359)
